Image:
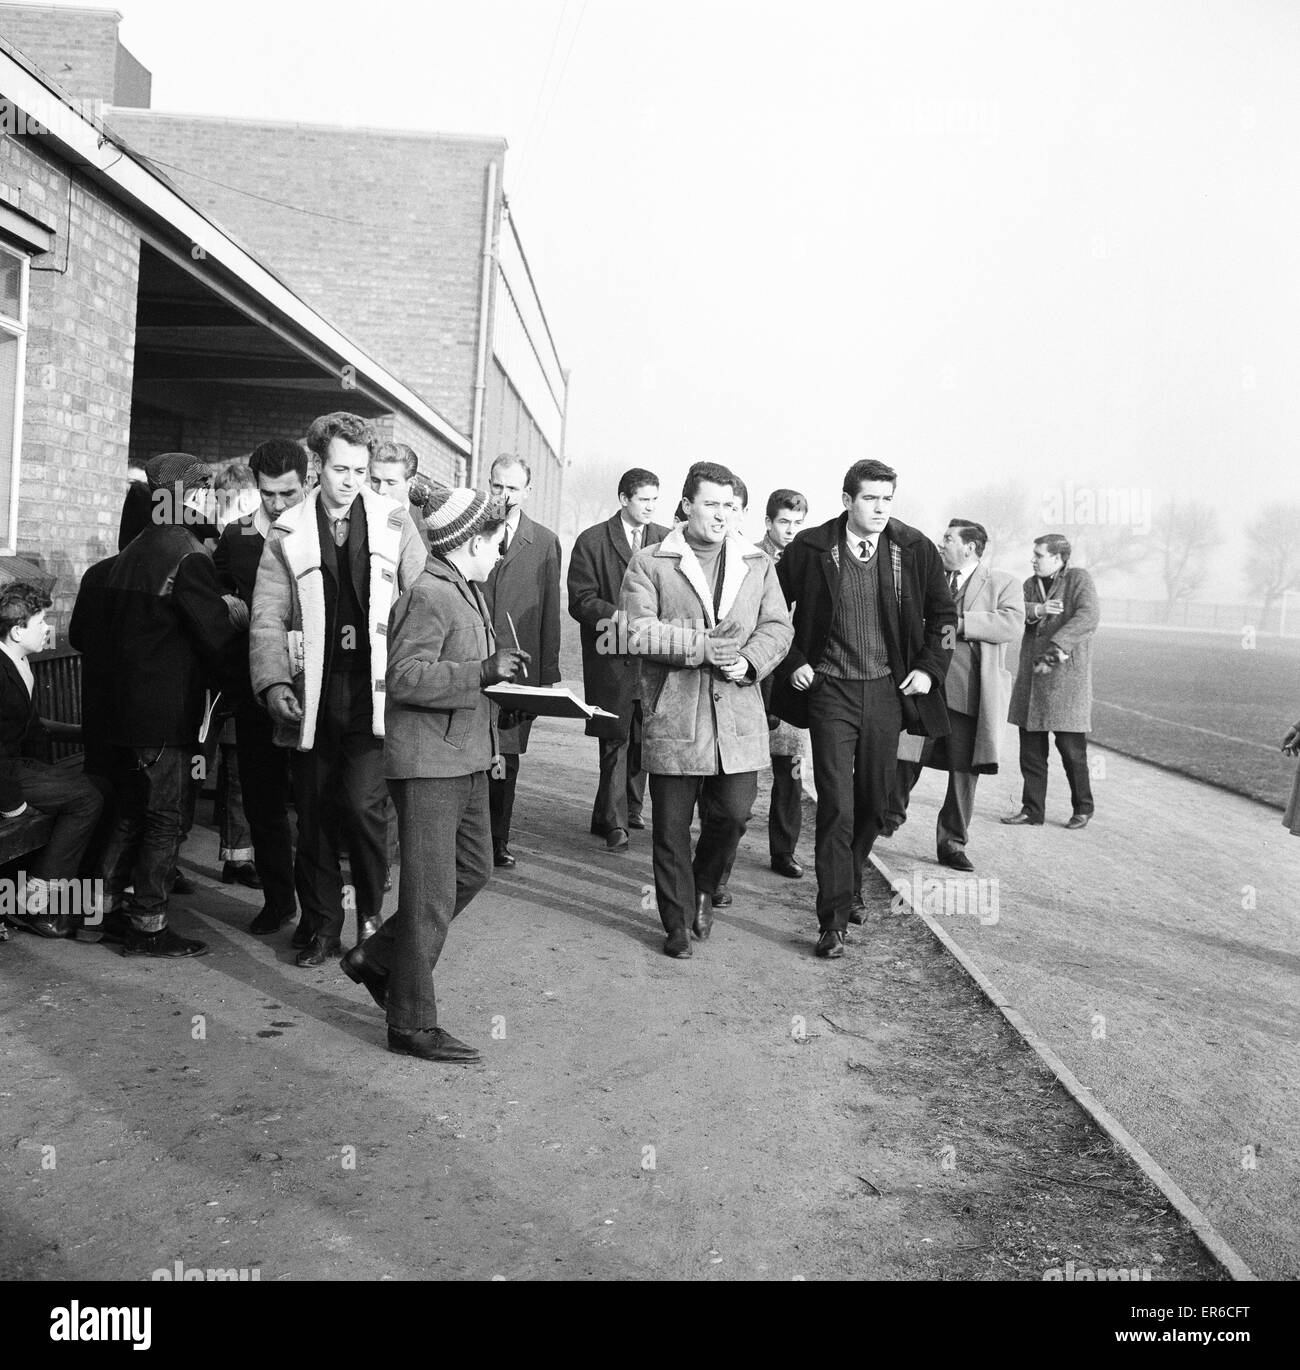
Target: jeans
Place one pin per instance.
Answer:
(445, 835)
(855, 726)
(153, 786)
(725, 803)
(231, 820)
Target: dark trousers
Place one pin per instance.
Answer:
(855, 726)
(265, 784)
(621, 792)
(501, 799)
(1033, 769)
(153, 786)
(445, 836)
(725, 803)
(785, 816)
(953, 826)
(339, 787)
(76, 804)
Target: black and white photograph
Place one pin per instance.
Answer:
(650, 643)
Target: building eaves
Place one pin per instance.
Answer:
(90, 145)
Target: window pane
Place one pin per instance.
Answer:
(8, 391)
(10, 283)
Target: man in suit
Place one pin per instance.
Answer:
(279, 467)
(523, 589)
(706, 615)
(333, 566)
(27, 780)
(437, 747)
(873, 625)
(990, 614)
(611, 679)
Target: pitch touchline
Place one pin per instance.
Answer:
(1190, 727)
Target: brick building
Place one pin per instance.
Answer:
(201, 284)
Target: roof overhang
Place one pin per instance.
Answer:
(176, 228)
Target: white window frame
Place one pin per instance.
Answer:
(17, 328)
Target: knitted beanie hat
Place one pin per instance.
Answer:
(452, 517)
(170, 468)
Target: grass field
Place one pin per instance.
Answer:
(1200, 703)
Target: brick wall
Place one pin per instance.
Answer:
(80, 353)
(76, 47)
(238, 421)
(381, 232)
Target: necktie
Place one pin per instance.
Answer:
(952, 583)
(340, 531)
(864, 550)
(505, 540)
(636, 539)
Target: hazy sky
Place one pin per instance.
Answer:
(977, 240)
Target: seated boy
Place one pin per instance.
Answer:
(28, 782)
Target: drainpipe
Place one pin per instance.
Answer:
(480, 371)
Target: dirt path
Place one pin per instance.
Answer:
(1157, 951)
(752, 1113)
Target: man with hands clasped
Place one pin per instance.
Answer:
(707, 618)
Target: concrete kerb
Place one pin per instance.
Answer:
(1082, 1095)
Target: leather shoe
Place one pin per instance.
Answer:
(302, 934)
(269, 921)
(318, 951)
(432, 1045)
(361, 972)
(501, 857)
(1080, 820)
(241, 873)
(1015, 819)
(830, 944)
(634, 820)
(857, 910)
(787, 866)
(703, 924)
(678, 943)
(181, 883)
(164, 943)
(722, 897)
(956, 859)
(367, 927)
(616, 840)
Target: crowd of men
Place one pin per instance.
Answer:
(331, 631)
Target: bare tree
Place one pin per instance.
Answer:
(590, 494)
(1183, 536)
(1273, 559)
(1006, 509)
(1111, 550)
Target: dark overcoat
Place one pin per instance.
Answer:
(1059, 701)
(917, 611)
(525, 584)
(610, 679)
